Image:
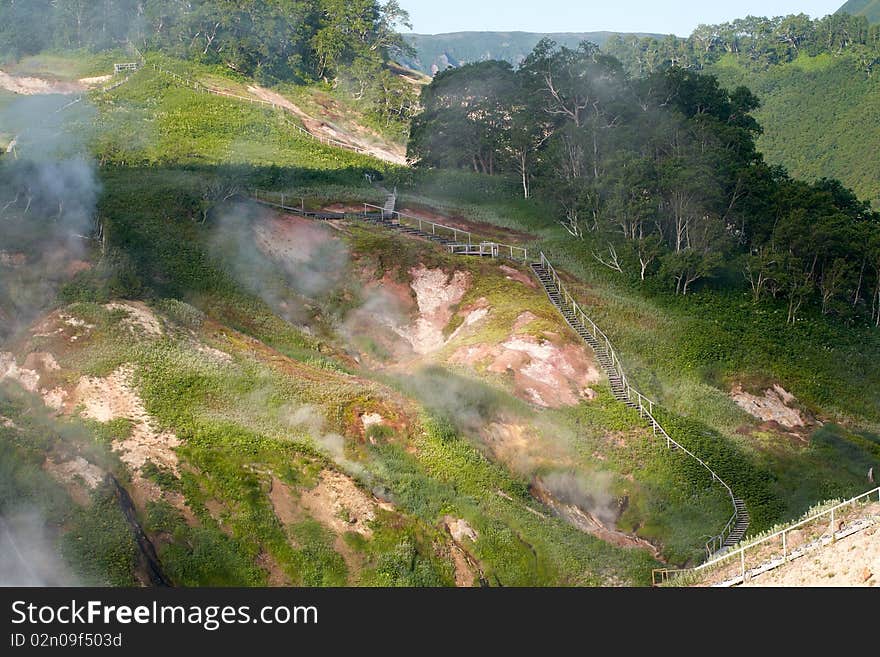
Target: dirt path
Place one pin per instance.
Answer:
(320, 128)
(851, 561)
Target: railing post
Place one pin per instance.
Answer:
(742, 555)
(833, 530)
(784, 548)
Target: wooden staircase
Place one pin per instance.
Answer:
(387, 222)
(740, 527)
(387, 217)
(738, 524)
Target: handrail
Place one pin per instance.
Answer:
(785, 530)
(495, 249)
(400, 216)
(646, 405)
(516, 252)
(664, 574)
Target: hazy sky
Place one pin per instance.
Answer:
(661, 16)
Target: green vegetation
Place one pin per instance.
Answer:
(177, 124)
(870, 9)
(95, 542)
(346, 43)
(662, 177)
(815, 80)
(435, 52)
(100, 546)
(688, 351)
(251, 378)
(819, 116)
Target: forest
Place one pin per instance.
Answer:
(659, 176)
(756, 42)
(346, 43)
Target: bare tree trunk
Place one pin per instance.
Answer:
(858, 293)
(613, 261)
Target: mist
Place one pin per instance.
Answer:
(311, 420)
(29, 554)
(49, 191)
(286, 275)
(588, 491)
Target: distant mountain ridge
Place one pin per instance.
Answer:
(436, 52)
(870, 9)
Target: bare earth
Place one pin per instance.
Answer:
(319, 128)
(111, 397)
(851, 561)
(30, 86)
(774, 406)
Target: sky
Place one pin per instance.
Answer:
(678, 17)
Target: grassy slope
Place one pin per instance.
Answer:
(820, 116)
(176, 124)
(157, 246)
(231, 438)
(868, 8)
(686, 352)
(157, 250)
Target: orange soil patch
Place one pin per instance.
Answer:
(464, 576)
(283, 501)
(436, 293)
(466, 566)
(548, 373)
(290, 238)
(512, 274)
(520, 446)
(478, 228)
(774, 406)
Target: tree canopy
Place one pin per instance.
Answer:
(658, 176)
(283, 39)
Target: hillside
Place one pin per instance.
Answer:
(435, 52)
(816, 80)
(870, 9)
(198, 389)
(315, 452)
(260, 391)
(819, 116)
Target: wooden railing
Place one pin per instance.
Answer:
(464, 242)
(645, 405)
(786, 552)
